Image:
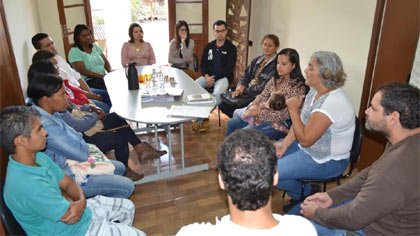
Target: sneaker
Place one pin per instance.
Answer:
(195, 126)
(204, 126)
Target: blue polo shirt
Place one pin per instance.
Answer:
(34, 197)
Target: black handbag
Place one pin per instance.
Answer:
(181, 66)
(239, 102)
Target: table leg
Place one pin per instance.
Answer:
(181, 131)
(168, 133)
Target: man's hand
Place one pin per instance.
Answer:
(313, 202)
(294, 103)
(322, 199)
(209, 81)
(308, 209)
(75, 212)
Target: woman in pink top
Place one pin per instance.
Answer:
(136, 50)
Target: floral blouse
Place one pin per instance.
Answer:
(289, 88)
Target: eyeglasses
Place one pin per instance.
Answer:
(183, 29)
(220, 31)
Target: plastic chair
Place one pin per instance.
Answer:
(10, 225)
(354, 158)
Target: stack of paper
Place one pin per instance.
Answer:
(190, 111)
(174, 91)
(199, 98)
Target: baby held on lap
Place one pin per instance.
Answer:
(276, 102)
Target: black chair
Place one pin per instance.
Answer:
(195, 63)
(354, 158)
(10, 225)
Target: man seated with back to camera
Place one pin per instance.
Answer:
(248, 173)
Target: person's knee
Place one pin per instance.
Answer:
(119, 167)
(128, 186)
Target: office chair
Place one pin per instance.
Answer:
(354, 158)
(10, 225)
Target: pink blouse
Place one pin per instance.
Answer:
(129, 53)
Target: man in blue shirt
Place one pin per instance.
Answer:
(34, 185)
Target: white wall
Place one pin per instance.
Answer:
(259, 26)
(50, 23)
(23, 23)
(217, 11)
(341, 26)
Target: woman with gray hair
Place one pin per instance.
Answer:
(319, 141)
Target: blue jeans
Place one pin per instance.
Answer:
(114, 185)
(324, 230)
(102, 105)
(105, 107)
(104, 94)
(220, 86)
(297, 164)
(265, 128)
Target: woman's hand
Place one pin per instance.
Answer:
(281, 128)
(294, 103)
(253, 110)
(99, 111)
(238, 91)
(280, 149)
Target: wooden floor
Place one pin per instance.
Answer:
(163, 207)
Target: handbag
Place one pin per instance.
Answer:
(98, 125)
(181, 66)
(239, 102)
(96, 164)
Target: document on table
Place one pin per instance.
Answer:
(158, 98)
(190, 111)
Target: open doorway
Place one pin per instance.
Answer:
(111, 20)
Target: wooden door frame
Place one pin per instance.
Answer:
(10, 87)
(387, 19)
(238, 34)
(63, 23)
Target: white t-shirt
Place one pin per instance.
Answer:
(71, 75)
(288, 225)
(335, 143)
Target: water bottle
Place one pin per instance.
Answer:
(154, 81)
(161, 79)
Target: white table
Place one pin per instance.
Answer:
(128, 104)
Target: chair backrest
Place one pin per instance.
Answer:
(10, 225)
(195, 63)
(356, 146)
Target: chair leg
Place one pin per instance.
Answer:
(302, 192)
(218, 113)
(325, 187)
